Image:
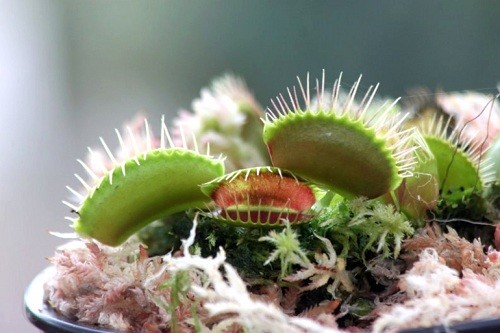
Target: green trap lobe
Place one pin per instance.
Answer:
(166, 182)
(455, 169)
(337, 152)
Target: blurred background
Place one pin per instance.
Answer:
(71, 71)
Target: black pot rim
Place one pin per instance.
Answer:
(44, 317)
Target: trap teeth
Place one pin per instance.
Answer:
(261, 196)
(145, 184)
(461, 165)
(341, 145)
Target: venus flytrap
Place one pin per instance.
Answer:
(347, 183)
(151, 184)
(350, 150)
(464, 173)
(458, 174)
(261, 196)
(354, 151)
(460, 165)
